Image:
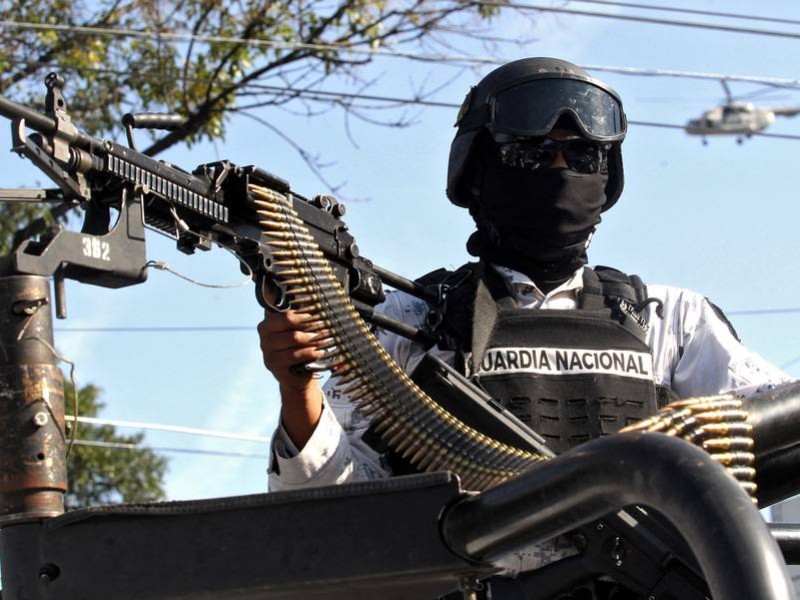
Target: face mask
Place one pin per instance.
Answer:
(538, 222)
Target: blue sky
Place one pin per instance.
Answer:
(720, 219)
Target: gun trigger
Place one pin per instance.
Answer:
(266, 289)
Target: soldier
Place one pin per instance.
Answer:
(536, 160)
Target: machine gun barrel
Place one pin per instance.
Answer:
(211, 203)
(35, 120)
(41, 123)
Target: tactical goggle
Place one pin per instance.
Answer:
(531, 109)
(581, 155)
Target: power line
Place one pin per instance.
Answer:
(762, 311)
(281, 44)
(649, 20)
(783, 82)
(776, 136)
(322, 95)
(326, 96)
(691, 11)
(776, 81)
(250, 328)
(219, 39)
(172, 429)
(275, 89)
(123, 446)
(790, 363)
(155, 329)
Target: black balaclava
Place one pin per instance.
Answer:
(536, 222)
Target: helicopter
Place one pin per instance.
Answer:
(741, 119)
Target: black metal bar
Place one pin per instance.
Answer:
(775, 417)
(788, 537)
(34, 119)
(778, 475)
(405, 285)
(407, 331)
(41, 123)
(29, 195)
(375, 540)
(33, 474)
(731, 542)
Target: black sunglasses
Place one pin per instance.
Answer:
(581, 155)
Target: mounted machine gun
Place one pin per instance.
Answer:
(257, 546)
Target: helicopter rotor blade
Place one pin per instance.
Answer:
(728, 94)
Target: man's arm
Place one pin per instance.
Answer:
(286, 341)
(319, 440)
(701, 351)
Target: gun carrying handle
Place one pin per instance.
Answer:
(166, 121)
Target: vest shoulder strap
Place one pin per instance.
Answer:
(451, 320)
(455, 319)
(606, 282)
(456, 323)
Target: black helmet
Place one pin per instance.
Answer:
(526, 98)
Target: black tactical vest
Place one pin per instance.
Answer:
(571, 375)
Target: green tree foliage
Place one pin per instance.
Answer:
(104, 475)
(209, 59)
(15, 216)
(206, 59)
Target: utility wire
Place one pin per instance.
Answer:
(790, 363)
(220, 328)
(783, 82)
(776, 136)
(776, 81)
(762, 311)
(262, 43)
(691, 11)
(320, 94)
(172, 429)
(325, 96)
(649, 20)
(123, 446)
(155, 329)
(217, 39)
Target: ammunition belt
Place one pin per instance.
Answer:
(718, 424)
(413, 424)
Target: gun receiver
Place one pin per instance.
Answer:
(212, 204)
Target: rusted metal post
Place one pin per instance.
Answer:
(33, 470)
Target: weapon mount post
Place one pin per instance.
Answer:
(33, 445)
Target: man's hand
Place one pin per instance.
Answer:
(289, 339)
